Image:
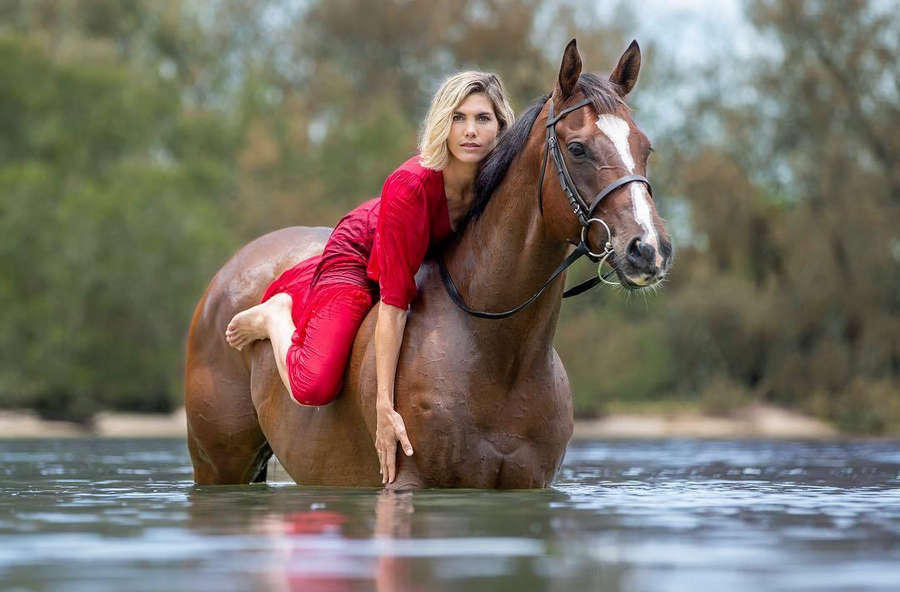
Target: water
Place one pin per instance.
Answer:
(665, 515)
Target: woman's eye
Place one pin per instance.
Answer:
(484, 118)
(576, 149)
(457, 117)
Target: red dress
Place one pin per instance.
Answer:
(375, 249)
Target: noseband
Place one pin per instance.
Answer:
(583, 211)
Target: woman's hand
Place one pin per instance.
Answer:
(389, 429)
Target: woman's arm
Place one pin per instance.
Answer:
(389, 427)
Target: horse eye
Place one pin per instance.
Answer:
(576, 149)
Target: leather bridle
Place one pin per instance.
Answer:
(583, 210)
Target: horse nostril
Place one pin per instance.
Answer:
(641, 254)
(665, 249)
(634, 250)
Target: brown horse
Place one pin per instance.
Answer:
(486, 402)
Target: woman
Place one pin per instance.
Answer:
(312, 312)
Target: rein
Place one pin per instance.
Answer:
(582, 210)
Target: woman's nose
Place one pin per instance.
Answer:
(470, 128)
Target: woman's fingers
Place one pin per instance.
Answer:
(387, 453)
(392, 464)
(404, 441)
(391, 429)
(400, 431)
(385, 464)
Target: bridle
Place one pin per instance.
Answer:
(583, 210)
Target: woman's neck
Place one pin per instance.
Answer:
(459, 177)
(459, 181)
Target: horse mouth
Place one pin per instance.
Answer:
(640, 281)
(632, 286)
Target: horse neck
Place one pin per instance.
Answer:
(503, 257)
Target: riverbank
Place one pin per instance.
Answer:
(753, 421)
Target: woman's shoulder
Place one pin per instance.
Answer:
(415, 177)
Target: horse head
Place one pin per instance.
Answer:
(604, 155)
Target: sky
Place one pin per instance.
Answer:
(693, 34)
(694, 28)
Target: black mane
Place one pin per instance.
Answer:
(601, 92)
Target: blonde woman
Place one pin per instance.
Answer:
(312, 312)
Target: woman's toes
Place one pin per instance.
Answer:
(235, 337)
(248, 326)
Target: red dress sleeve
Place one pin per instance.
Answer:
(401, 238)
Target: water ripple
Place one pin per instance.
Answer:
(659, 515)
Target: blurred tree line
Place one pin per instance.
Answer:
(141, 142)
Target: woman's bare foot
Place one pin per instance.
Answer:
(253, 323)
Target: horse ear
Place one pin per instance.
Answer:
(626, 72)
(569, 71)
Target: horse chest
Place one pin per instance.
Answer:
(504, 440)
(482, 409)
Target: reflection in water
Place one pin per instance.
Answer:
(668, 515)
(393, 518)
(301, 562)
(298, 564)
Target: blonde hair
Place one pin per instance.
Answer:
(433, 142)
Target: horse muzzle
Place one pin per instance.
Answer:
(642, 264)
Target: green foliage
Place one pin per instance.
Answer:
(107, 235)
(789, 288)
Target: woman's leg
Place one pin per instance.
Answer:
(270, 320)
(311, 357)
(321, 346)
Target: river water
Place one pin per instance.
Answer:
(661, 515)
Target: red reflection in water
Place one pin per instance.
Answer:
(308, 565)
(314, 522)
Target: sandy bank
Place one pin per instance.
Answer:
(26, 424)
(754, 421)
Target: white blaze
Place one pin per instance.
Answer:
(618, 130)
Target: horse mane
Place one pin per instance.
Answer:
(601, 92)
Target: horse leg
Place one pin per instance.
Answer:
(225, 441)
(408, 476)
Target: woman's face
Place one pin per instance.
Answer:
(474, 129)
